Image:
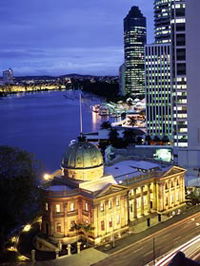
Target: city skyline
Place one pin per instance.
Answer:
(49, 39)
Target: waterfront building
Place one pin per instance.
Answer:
(95, 202)
(8, 77)
(169, 30)
(134, 41)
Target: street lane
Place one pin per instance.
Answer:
(164, 241)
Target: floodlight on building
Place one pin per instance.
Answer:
(27, 228)
(46, 177)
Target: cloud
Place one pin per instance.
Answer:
(45, 34)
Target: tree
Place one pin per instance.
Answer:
(129, 136)
(165, 139)
(139, 140)
(18, 189)
(148, 139)
(132, 121)
(113, 135)
(106, 125)
(85, 228)
(156, 139)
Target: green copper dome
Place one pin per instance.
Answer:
(81, 155)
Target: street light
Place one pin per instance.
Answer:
(46, 177)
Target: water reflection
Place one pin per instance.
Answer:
(45, 123)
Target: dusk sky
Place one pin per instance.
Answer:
(40, 37)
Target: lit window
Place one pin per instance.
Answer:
(46, 206)
(58, 228)
(72, 206)
(101, 207)
(86, 207)
(72, 225)
(102, 226)
(110, 222)
(57, 207)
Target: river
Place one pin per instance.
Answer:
(44, 123)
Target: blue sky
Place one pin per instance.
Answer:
(39, 37)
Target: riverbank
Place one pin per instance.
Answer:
(14, 89)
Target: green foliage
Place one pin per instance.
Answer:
(85, 228)
(129, 136)
(106, 125)
(102, 88)
(18, 189)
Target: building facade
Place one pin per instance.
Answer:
(99, 206)
(134, 41)
(8, 77)
(170, 30)
(159, 91)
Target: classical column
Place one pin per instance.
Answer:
(154, 197)
(142, 201)
(135, 204)
(149, 197)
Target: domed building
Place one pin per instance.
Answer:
(83, 197)
(82, 161)
(85, 202)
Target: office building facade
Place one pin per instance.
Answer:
(170, 30)
(159, 93)
(134, 42)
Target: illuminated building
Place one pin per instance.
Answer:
(169, 30)
(105, 199)
(8, 76)
(159, 95)
(134, 41)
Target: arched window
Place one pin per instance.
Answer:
(58, 228)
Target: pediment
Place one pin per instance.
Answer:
(110, 189)
(174, 170)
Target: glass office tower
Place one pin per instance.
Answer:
(134, 42)
(169, 18)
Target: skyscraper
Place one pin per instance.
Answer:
(169, 18)
(8, 76)
(134, 41)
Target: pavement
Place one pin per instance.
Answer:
(85, 258)
(137, 234)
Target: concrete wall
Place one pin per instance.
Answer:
(193, 71)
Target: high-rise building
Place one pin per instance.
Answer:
(159, 107)
(134, 42)
(193, 72)
(170, 30)
(8, 76)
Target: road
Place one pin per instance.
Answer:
(191, 250)
(141, 252)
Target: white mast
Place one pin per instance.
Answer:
(81, 116)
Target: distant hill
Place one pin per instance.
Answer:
(72, 75)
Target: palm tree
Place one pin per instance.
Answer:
(85, 228)
(129, 136)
